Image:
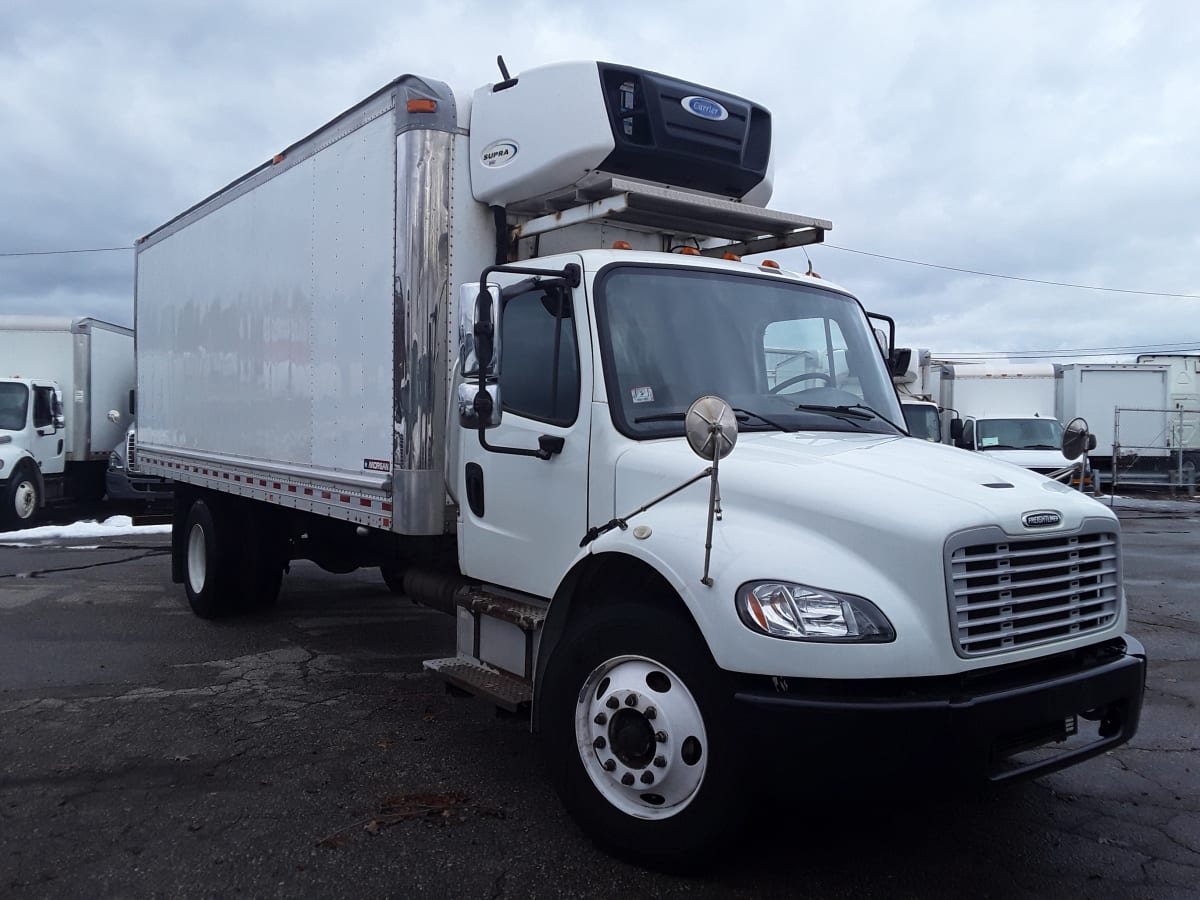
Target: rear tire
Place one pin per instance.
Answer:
(209, 564)
(22, 500)
(660, 787)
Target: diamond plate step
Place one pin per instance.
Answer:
(525, 616)
(506, 691)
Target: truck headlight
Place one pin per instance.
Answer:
(799, 612)
(115, 461)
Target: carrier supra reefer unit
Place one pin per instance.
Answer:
(479, 340)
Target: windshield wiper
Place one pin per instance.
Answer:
(745, 414)
(849, 412)
(1041, 447)
(742, 415)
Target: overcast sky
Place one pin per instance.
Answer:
(1045, 140)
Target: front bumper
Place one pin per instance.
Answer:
(120, 485)
(1012, 721)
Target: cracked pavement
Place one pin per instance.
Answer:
(144, 752)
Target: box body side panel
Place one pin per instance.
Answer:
(265, 326)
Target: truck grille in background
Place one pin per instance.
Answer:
(1020, 592)
(131, 452)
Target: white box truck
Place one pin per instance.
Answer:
(1096, 391)
(1183, 401)
(458, 337)
(1006, 410)
(917, 386)
(65, 388)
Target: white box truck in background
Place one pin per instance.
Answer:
(65, 388)
(1183, 401)
(918, 386)
(1095, 391)
(474, 339)
(1006, 410)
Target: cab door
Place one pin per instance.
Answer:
(47, 440)
(521, 517)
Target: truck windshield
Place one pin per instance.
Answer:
(1018, 434)
(922, 421)
(14, 406)
(786, 356)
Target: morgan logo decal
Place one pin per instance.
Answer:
(498, 153)
(377, 465)
(1041, 519)
(705, 108)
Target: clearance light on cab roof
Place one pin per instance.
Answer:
(768, 264)
(422, 106)
(689, 251)
(731, 256)
(621, 245)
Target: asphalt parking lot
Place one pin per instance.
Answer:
(144, 752)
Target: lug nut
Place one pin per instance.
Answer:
(651, 713)
(599, 743)
(660, 762)
(660, 736)
(609, 765)
(627, 779)
(631, 700)
(601, 719)
(647, 778)
(612, 703)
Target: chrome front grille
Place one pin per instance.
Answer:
(131, 452)
(1010, 593)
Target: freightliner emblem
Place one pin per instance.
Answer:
(1041, 519)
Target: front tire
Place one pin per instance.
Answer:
(22, 500)
(637, 730)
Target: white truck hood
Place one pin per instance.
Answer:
(1030, 459)
(893, 484)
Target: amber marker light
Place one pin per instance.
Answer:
(689, 251)
(422, 106)
(732, 257)
(621, 245)
(276, 159)
(769, 264)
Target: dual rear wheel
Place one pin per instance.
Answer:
(233, 559)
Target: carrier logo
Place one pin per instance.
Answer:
(498, 153)
(377, 465)
(1040, 519)
(705, 108)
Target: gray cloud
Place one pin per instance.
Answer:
(1053, 141)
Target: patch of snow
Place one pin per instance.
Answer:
(113, 526)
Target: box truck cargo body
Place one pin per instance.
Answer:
(477, 341)
(65, 388)
(1007, 411)
(1096, 391)
(1183, 400)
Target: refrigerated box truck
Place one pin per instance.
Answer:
(65, 388)
(1183, 401)
(474, 339)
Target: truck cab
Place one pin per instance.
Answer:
(31, 445)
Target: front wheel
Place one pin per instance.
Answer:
(636, 728)
(21, 500)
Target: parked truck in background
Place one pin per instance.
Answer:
(1183, 401)
(462, 338)
(917, 385)
(63, 385)
(1141, 448)
(1007, 410)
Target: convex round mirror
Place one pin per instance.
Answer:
(1077, 438)
(711, 428)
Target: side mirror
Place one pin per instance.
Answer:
(473, 409)
(56, 411)
(956, 432)
(899, 360)
(479, 353)
(1077, 439)
(469, 297)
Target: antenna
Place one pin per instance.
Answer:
(503, 67)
